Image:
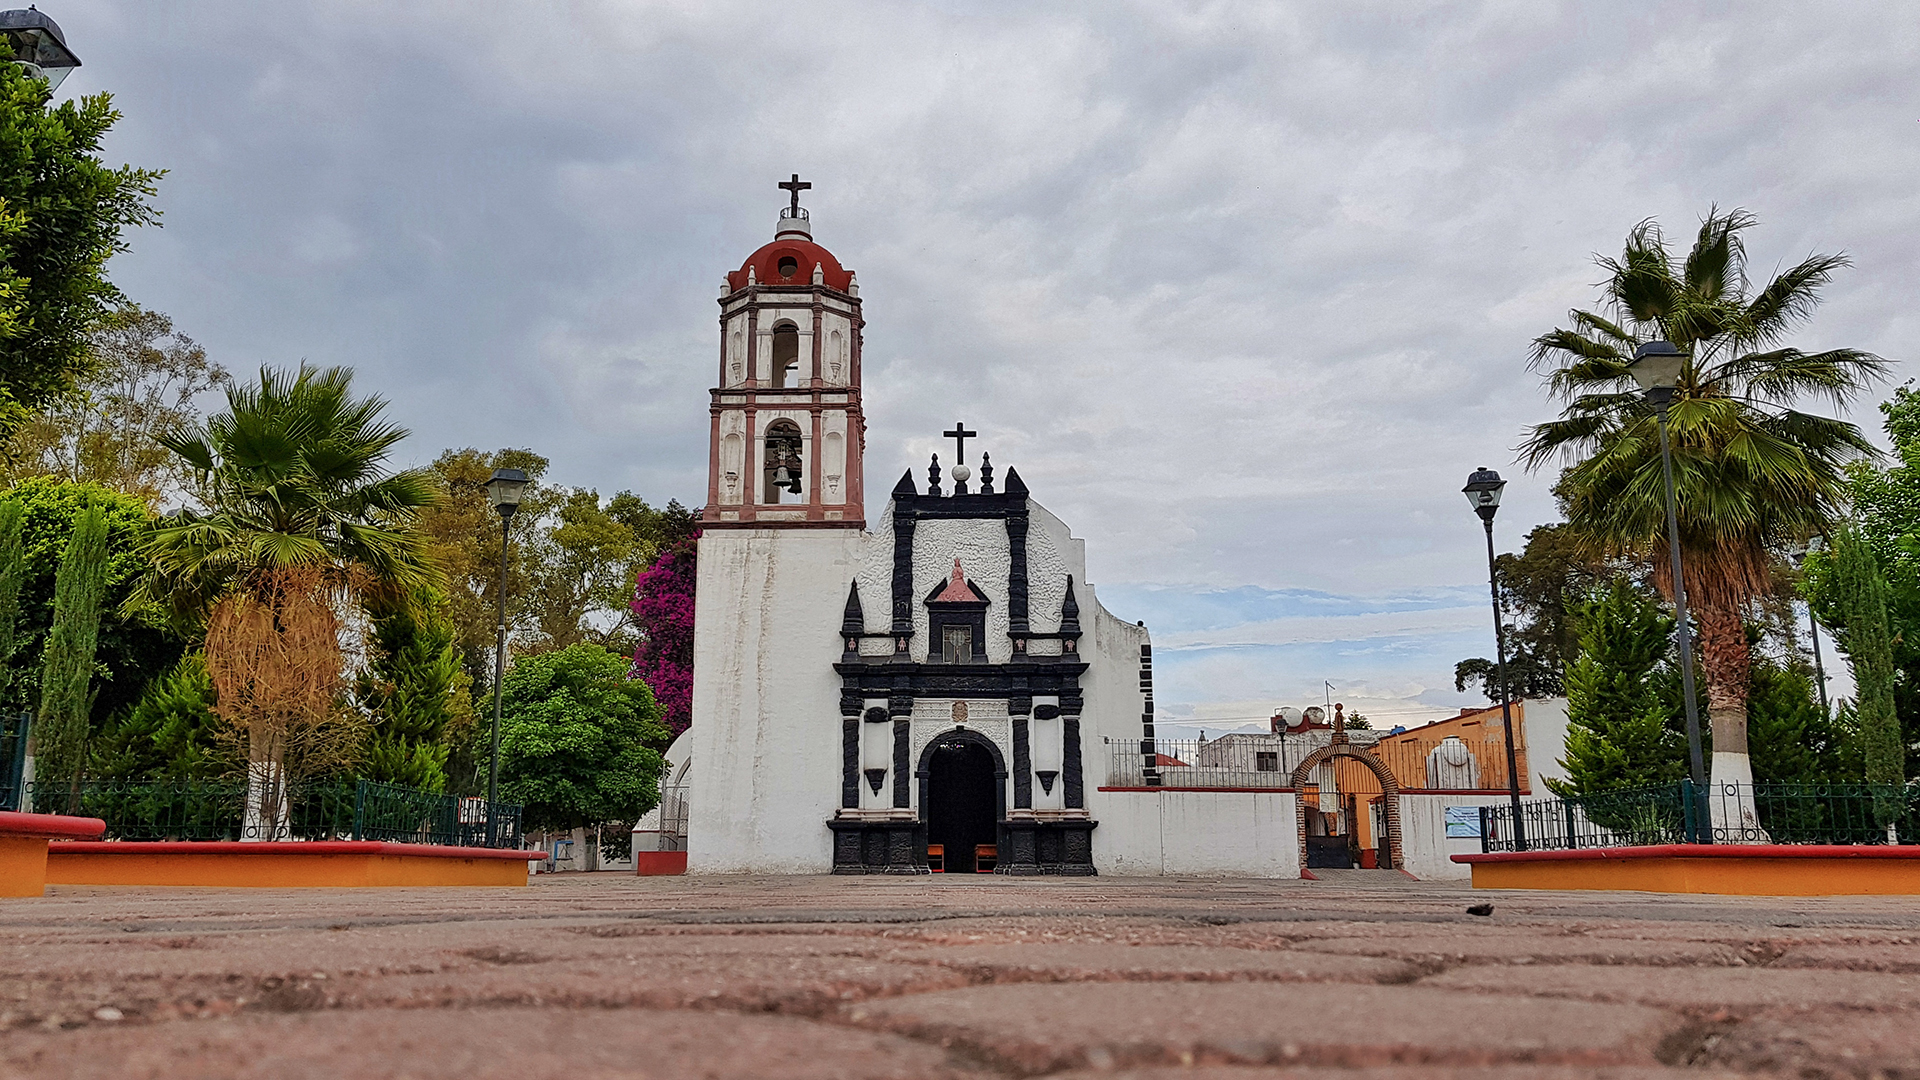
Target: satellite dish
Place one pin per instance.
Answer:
(1314, 715)
(1289, 716)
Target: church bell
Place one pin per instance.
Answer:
(787, 477)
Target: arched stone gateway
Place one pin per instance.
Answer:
(1389, 788)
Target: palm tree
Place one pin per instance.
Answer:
(1751, 472)
(299, 519)
(292, 475)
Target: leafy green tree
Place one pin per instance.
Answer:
(580, 743)
(1538, 586)
(142, 381)
(1622, 703)
(463, 537)
(1794, 740)
(1886, 504)
(66, 667)
(1752, 472)
(135, 643)
(62, 212)
(1861, 595)
(571, 561)
(416, 694)
(169, 733)
(585, 557)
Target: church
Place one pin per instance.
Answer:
(931, 690)
(940, 690)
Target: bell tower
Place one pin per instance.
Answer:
(788, 433)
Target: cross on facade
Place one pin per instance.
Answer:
(960, 435)
(795, 185)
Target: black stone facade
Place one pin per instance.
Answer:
(1027, 846)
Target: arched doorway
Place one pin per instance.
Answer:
(1343, 764)
(961, 797)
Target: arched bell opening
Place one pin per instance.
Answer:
(781, 466)
(786, 355)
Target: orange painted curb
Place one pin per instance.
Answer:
(23, 865)
(23, 847)
(1723, 869)
(290, 865)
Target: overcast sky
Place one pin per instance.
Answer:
(1243, 290)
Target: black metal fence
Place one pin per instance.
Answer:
(331, 810)
(390, 812)
(1718, 813)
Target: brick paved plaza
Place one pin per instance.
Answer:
(590, 976)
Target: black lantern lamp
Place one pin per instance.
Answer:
(1483, 493)
(1656, 367)
(506, 488)
(35, 42)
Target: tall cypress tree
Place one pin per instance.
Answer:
(1862, 594)
(66, 667)
(1620, 703)
(415, 690)
(13, 571)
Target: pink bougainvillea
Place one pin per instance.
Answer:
(663, 611)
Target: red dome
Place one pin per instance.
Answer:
(790, 260)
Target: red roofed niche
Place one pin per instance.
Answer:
(790, 260)
(956, 587)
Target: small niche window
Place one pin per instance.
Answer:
(786, 355)
(1266, 761)
(957, 620)
(788, 266)
(956, 644)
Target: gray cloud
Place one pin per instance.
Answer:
(1243, 290)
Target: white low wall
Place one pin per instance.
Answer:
(1424, 844)
(1214, 833)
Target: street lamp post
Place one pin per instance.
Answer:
(1657, 366)
(1800, 553)
(505, 489)
(1483, 494)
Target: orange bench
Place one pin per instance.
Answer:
(23, 847)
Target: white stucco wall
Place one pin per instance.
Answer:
(766, 703)
(766, 736)
(1225, 834)
(1545, 723)
(1424, 844)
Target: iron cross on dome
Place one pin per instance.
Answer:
(796, 186)
(960, 435)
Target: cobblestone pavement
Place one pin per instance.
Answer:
(602, 975)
